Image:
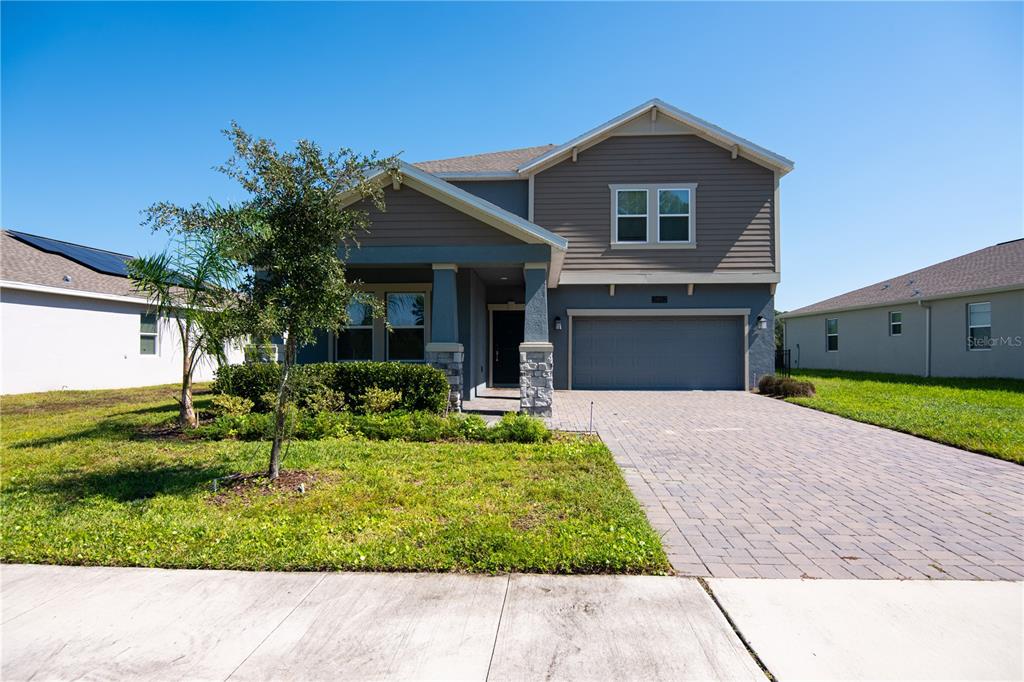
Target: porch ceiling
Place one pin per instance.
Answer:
(504, 276)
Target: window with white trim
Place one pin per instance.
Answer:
(355, 342)
(656, 215)
(832, 334)
(979, 326)
(147, 333)
(895, 323)
(673, 215)
(407, 317)
(631, 215)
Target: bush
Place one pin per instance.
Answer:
(784, 387)
(518, 428)
(252, 381)
(768, 384)
(231, 405)
(380, 400)
(423, 427)
(423, 388)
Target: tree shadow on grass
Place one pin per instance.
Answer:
(132, 482)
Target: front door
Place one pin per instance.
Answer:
(506, 335)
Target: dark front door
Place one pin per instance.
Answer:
(507, 334)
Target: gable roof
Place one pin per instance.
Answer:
(471, 205)
(491, 162)
(522, 162)
(989, 269)
(23, 262)
(655, 107)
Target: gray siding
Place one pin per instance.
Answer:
(734, 204)
(865, 344)
(414, 219)
(511, 195)
(761, 342)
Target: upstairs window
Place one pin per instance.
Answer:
(355, 342)
(147, 334)
(657, 215)
(832, 334)
(631, 215)
(407, 316)
(979, 326)
(673, 215)
(895, 323)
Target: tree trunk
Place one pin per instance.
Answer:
(282, 400)
(187, 415)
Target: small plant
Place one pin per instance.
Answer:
(768, 384)
(784, 387)
(519, 428)
(231, 405)
(464, 427)
(319, 397)
(380, 400)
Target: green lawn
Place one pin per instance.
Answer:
(83, 483)
(982, 415)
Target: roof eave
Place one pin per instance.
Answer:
(904, 301)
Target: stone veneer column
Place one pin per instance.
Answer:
(536, 354)
(449, 357)
(444, 351)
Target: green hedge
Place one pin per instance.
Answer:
(423, 427)
(423, 388)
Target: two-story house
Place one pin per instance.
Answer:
(643, 254)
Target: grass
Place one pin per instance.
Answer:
(981, 415)
(82, 484)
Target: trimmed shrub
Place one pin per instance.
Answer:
(784, 387)
(423, 388)
(251, 381)
(518, 428)
(768, 384)
(794, 388)
(231, 405)
(380, 400)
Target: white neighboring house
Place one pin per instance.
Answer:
(70, 320)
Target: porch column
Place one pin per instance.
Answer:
(536, 354)
(444, 350)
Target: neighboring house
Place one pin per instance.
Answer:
(960, 318)
(643, 254)
(69, 319)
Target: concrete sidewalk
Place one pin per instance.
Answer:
(118, 623)
(880, 629)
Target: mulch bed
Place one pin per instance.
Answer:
(246, 487)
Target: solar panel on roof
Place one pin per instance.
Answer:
(106, 262)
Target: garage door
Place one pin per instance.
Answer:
(657, 353)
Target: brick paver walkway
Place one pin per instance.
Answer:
(747, 486)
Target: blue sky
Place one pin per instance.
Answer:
(905, 120)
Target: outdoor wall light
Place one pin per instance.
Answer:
(762, 322)
(558, 324)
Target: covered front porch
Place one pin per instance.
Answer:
(481, 316)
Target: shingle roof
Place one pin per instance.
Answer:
(502, 162)
(994, 267)
(20, 262)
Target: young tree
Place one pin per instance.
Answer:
(191, 283)
(291, 233)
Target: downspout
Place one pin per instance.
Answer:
(927, 338)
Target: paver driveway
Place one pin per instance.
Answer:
(747, 486)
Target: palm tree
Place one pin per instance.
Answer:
(193, 284)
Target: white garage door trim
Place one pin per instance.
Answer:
(665, 312)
